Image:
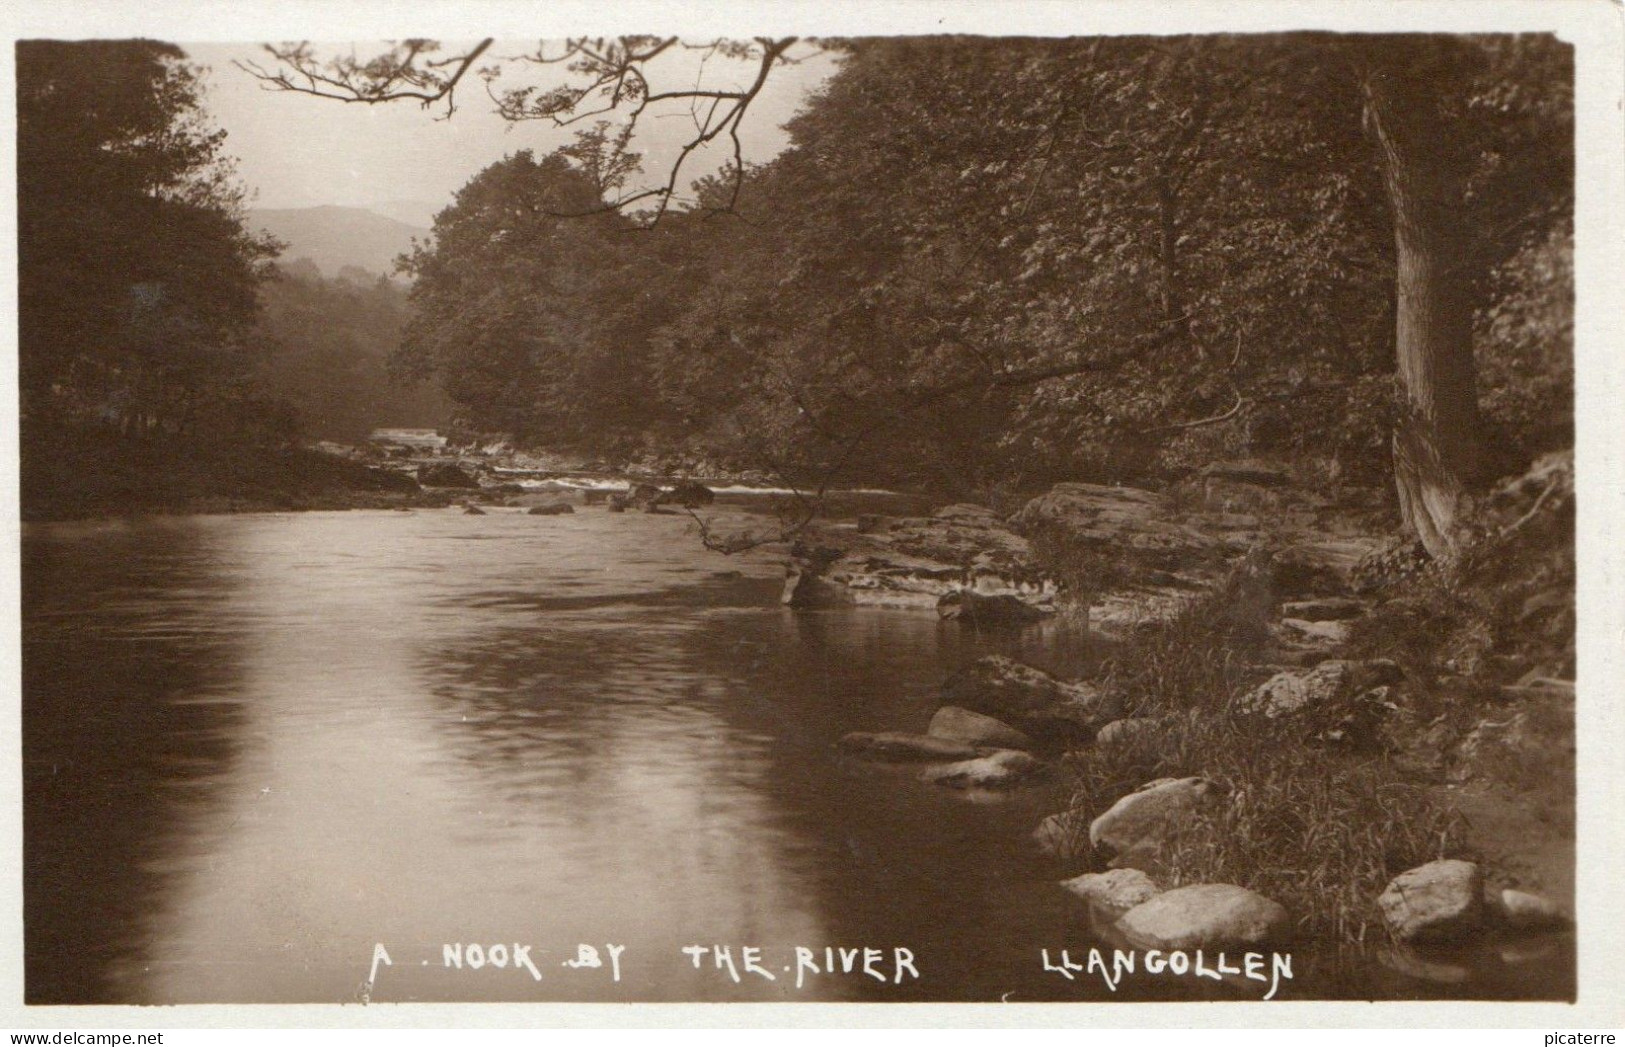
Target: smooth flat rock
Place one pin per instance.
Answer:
(1114, 892)
(1207, 915)
(973, 728)
(1441, 901)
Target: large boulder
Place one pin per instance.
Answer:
(1114, 892)
(1331, 683)
(1031, 700)
(898, 746)
(1206, 916)
(917, 561)
(1143, 824)
(445, 474)
(1124, 529)
(1439, 902)
(1322, 565)
(1003, 769)
(973, 728)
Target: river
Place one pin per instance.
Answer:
(259, 747)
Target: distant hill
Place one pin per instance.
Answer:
(335, 237)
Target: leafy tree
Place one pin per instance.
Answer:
(1033, 250)
(528, 319)
(328, 342)
(137, 277)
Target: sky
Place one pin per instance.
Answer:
(294, 150)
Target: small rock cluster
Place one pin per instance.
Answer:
(1435, 911)
(1128, 904)
(997, 714)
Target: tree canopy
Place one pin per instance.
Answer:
(983, 264)
(138, 280)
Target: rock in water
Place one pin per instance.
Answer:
(974, 608)
(445, 474)
(1064, 835)
(1441, 901)
(1114, 892)
(473, 510)
(1045, 708)
(1003, 769)
(643, 496)
(689, 495)
(899, 746)
(1206, 916)
(1140, 825)
(971, 728)
(551, 509)
(1522, 911)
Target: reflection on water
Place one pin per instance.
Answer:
(258, 745)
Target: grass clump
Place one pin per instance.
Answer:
(1319, 830)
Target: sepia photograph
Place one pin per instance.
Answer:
(670, 516)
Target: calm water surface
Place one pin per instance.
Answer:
(257, 746)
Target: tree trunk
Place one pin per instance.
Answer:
(1435, 443)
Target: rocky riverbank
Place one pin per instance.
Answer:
(1267, 755)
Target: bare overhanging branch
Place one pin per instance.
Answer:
(612, 77)
(393, 76)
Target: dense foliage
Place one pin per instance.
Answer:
(138, 279)
(327, 346)
(983, 265)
